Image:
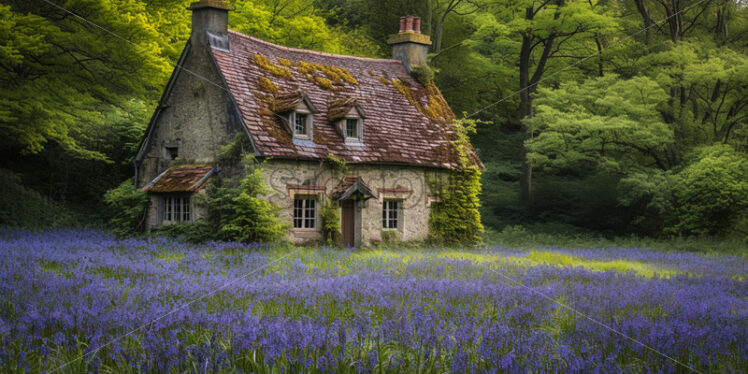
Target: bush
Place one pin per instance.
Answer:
(710, 196)
(127, 208)
(329, 216)
(25, 208)
(243, 216)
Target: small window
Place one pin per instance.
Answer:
(390, 214)
(300, 124)
(177, 209)
(304, 213)
(351, 128)
(172, 150)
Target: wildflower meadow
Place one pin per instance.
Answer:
(83, 301)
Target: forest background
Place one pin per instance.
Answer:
(604, 118)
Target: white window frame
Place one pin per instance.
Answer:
(387, 213)
(176, 209)
(309, 123)
(304, 215)
(343, 126)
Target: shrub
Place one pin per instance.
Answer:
(127, 208)
(710, 196)
(26, 208)
(248, 218)
(330, 218)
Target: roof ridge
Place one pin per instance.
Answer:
(309, 51)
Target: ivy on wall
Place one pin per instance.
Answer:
(330, 219)
(455, 218)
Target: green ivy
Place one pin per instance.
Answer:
(335, 164)
(128, 208)
(455, 219)
(330, 218)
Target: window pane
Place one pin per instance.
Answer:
(185, 209)
(351, 128)
(177, 209)
(298, 212)
(167, 209)
(301, 124)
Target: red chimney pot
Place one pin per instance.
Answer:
(409, 23)
(402, 24)
(417, 24)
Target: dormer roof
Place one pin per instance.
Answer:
(405, 122)
(340, 108)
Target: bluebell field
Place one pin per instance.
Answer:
(83, 301)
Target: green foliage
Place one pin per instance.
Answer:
(26, 208)
(423, 74)
(296, 24)
(710, 196)
(603, 122)
(389, 237)
(329, 216)
(249, 218)
(127, 208)
(335, 164)
(234, 152)
(455, 219)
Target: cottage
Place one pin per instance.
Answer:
(300, 109)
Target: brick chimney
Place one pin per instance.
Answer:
(409, 45)
(209, 16)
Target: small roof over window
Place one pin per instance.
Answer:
(185, 178)
(339, 109)
(290, 101)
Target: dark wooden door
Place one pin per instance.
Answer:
(348, 217)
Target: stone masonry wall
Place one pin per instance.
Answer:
(197, 117)
(415, 207)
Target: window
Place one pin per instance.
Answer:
(390, 213)
(304, 213)
(177, 208)
(300, 124)
(172, 151)
(351, 128)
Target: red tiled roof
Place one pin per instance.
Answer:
(406, 123)
(188, 178)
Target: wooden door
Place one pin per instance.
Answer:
(348, 218)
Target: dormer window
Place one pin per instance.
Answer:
(298, 111)
(348, 118)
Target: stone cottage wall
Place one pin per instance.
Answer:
(197, 117)
(415, 214)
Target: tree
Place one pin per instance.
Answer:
(602, 123)
(710, 196)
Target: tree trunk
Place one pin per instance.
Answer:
(436, 37)
(647, 20)
(525, 109)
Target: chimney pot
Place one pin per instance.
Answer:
(409, 23)
(417, 24)
(402, 24)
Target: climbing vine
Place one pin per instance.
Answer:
(455, 217)
(330, 218)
